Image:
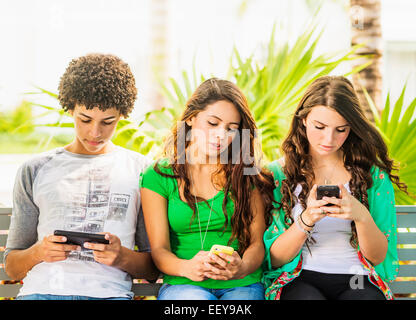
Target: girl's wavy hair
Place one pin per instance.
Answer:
(238, 185)
(363, 148)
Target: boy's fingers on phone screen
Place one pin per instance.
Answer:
(53, 238)
(95, 246)
(71, 247)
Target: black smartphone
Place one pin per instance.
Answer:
(327, 191)
(78, 238)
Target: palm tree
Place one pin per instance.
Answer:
(366, 28)
(158, 48)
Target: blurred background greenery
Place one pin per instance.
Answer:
(273, 90)
(18, 132)
(273, 85)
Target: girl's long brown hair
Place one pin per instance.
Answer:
(363, 148)
(238, 185)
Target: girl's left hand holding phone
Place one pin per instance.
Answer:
(224, 266)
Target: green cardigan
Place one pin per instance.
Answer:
(382, 209)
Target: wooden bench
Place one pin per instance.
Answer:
(10, 288)
(404, 287)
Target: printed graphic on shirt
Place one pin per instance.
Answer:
(118, 206)
(88, 211)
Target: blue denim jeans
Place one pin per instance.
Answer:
(38, 296)
(190, 292)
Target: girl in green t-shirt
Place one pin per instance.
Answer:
(346, 250)
(209, 190)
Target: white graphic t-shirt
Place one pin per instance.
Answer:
(60, 190)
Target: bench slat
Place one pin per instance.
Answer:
(3, 240)
(146, 289)
(403, 287)
(9, 290)
(406, 237)
(3, 274)
(4, 222)
(405, 209)
(406, 220)
(406, 254)
(407, 271)
(139, 289)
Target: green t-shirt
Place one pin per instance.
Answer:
(185, 238)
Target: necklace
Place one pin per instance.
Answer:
(326, 180)
(199, 221)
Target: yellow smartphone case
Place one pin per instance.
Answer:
(216, 248)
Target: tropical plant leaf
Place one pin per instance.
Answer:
(398, 131)
(273, 86)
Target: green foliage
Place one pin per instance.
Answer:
(132, 136)
(34, 142)
(19, 120)
(18, 134)
(129, 134)
(273, 88)
(397, 124)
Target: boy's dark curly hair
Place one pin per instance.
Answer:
(98, 80)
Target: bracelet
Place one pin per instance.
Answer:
(307, 232)
(304, 221)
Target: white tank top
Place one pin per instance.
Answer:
(332, 252)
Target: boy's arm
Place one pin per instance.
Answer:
(23, 225)
(23, 250)
(20, 262)
(140, 263)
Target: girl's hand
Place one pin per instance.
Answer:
(347, 207)
(313, 212)
(195, 268)
(225, 267)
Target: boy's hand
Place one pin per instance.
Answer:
(108, 254)
(52, 248)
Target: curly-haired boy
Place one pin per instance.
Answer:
(90, 185)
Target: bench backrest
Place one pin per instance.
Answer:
(404, 287)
